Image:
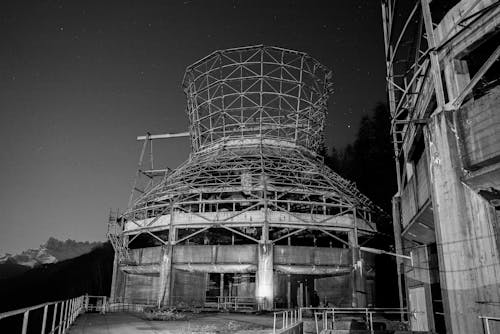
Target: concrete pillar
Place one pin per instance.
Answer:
(164, 292)
(358, 278)
(300, 295)
(288, 291)
(264, 291)
(221, 285)
(468, 255)
(114, 278)
(396, 224)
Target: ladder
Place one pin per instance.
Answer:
(115, 236)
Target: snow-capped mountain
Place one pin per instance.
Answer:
(51, 252)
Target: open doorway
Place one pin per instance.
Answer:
(230, 290)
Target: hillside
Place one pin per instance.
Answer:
(50, 252)
(89, 273)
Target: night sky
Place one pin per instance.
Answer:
(79, 80)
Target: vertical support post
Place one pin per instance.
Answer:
(358, 276)
(264, 291)
(54, 316)
(164, 297)
(396, 224)
(221, 285)
(464, 224)
(265, 276)
(166, 282)
(114, 278)
(300, 295)
(65, 316)
(435, 68)
(25, 322)
(288, 291)
(86, 302)
(104, 304)
(44, 319)
(61, 313)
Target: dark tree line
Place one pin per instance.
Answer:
(369, 161)
(89, 273)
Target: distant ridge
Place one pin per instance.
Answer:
(88, 273)
(52, 251)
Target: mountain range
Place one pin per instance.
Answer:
(52, 251)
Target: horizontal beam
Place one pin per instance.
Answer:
(313, 270)
(164, 136)
(379, 251)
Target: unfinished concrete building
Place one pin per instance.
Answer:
(253, 218)
(444, 95)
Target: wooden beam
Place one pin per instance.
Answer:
(164, 136)
(479, 74)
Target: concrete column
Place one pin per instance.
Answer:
(114, 278)
(288, 291)
(396, 224)
(264, 291)
(164, 292)
(221, 285)
(358, 278)
(468, 255)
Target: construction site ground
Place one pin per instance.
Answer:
(128, 323)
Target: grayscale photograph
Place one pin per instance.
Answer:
(250, 166)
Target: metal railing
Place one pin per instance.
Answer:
(287, 319)
(328, 315)
(235, 303)
(486, 322)
(95, 304)
(63, 314)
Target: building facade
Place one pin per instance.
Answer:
(444, 95)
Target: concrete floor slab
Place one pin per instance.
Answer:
(128, 323)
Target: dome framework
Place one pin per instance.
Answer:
(256, 126)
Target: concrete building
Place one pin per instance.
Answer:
(253, 218)
(444, 94)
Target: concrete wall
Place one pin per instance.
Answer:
(465, 223)
(480, 125)
(189, 288)
(326, 269)
(141, 289)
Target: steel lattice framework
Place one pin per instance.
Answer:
(257, 92)
(256, 125)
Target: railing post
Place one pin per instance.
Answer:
(25, 321)
(65, 316)
(44, 319)
(73, 307)
(325, 320)
(61, 312)
(487, 325)
(70, 313)
(371, 322)
(316, 321)
(54, 319)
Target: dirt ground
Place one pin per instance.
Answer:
(210, 323)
